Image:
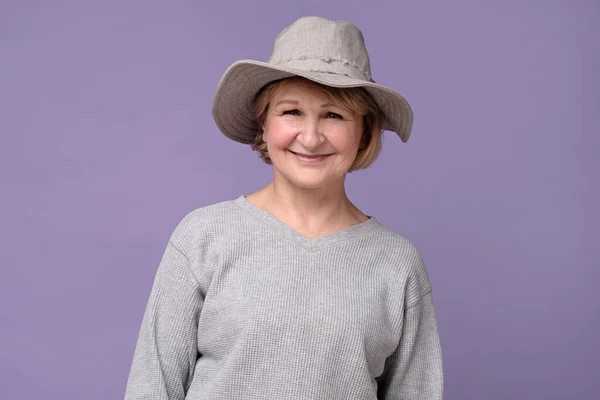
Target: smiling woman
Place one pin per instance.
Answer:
(353, 103)
(292, 292)
(303, 127)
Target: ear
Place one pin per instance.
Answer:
(264, 133)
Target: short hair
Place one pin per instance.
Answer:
(356, 100)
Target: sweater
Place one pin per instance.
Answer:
(244, 307)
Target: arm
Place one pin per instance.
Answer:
(414, 371)
(166, 351)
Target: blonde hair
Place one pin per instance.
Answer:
(356, 100)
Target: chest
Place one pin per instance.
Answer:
(317, 303)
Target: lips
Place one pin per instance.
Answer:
(310, 158)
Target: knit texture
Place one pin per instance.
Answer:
(244, 307)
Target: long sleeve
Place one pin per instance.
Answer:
(415, 370)
(166, 350)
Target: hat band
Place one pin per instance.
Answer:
(329, 65)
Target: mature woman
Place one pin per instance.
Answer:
(292, 292)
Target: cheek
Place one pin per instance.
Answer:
(345, 140)
(279, 135)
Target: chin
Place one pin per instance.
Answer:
(311, 182)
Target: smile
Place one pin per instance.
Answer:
(310, 158)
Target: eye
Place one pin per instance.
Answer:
(333, 115)
(291, 112)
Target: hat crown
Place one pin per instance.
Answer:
(319, 44)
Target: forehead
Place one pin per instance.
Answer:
(300, 91)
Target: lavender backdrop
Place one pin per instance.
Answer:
(107, 141)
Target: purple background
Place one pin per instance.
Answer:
(107, 140)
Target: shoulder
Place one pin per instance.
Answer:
(207, 223)
(405, 258)
(396, 246)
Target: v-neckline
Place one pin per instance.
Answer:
(313, 244)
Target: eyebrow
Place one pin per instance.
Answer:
(286, 101)
(296, 102)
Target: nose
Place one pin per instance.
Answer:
(310, 135)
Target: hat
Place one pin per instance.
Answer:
(325, 51)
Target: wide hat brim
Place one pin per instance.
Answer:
(233, 109)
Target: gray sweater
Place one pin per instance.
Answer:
(244, 307)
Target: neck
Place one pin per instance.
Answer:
(312, 212)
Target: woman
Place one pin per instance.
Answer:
(292, 292)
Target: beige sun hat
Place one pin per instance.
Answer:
(325, 51)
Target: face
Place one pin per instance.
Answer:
(311, 142)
